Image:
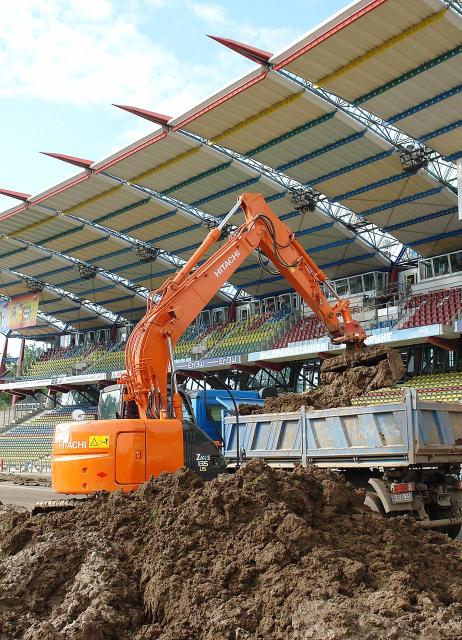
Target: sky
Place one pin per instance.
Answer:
(64, 62)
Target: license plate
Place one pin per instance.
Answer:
(401, 497)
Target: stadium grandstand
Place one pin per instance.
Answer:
(353, 135)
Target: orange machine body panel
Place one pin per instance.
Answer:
(114, 454)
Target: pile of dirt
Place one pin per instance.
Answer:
(342, 378)
(265, 554)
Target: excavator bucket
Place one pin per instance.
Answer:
(379, 366)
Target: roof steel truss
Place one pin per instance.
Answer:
(104, 314)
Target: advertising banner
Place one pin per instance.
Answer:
(19, 312)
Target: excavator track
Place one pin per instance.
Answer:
(48, 506)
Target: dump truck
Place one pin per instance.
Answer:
(406, 455)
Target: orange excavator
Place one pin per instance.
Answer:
(148, 433)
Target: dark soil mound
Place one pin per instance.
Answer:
(350, 375)
(264, 554)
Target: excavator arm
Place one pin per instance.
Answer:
(149, 351)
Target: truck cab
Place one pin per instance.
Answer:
(208, 405)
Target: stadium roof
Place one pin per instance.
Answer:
(308, 117)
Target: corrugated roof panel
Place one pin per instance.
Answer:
(437, 247)
(239, 107)
(41, 330)
(73, 313)
(415, 210)
(277, 118)
(429, 228)
(429, 39)
(151, 282)
(128, 264)
(112, 199)
(157, 230)
(399, 55)
(160, 155)
(436, 116)
(152, 209)
(68, 198)
(336, 159)
(206, 187)
(219, 206)
(85, 325)
(282, 150)
(447, 143)
(366, 174)
(417, 89)
(388, 196)
(356, 38)
(119, 304)
(46, 264)
(13, 254)
(35, 224)
(183, 168)
(177, 243)
(101, 247)
(72, 238)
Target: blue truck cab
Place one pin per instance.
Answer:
(208, 406)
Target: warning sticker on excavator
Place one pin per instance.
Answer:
(98, 442)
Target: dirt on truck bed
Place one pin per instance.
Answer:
(264, 554)
(351, 375)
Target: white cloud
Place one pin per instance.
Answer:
(85, 52)
(214, 14)
(95, 52)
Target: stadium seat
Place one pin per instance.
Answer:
(308, 328)
(62, 361)
(31, 441)
(440, 387)
(257, 333)
(434, 307)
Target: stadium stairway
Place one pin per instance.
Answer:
(20, 417)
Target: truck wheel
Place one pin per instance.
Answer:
(452, 530)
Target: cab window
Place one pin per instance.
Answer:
(109, 405)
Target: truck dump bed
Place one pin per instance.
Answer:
(386, 435)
